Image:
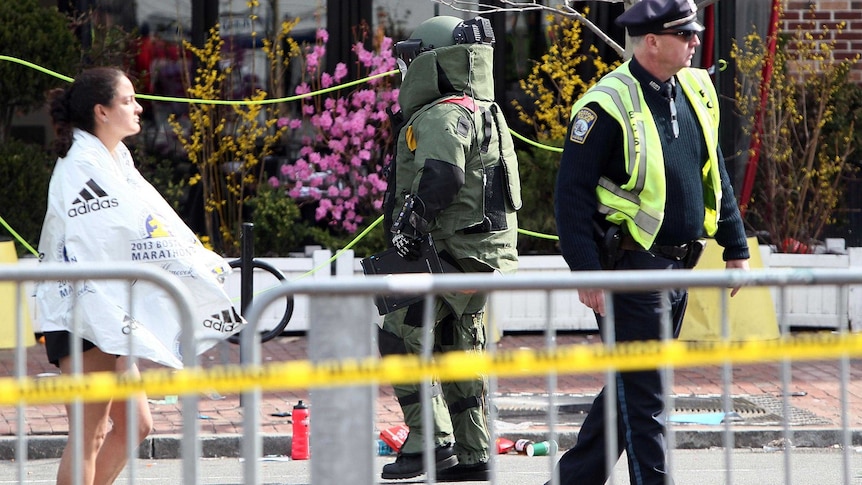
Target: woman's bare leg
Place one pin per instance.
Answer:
(114, 453)
(95, 423)
(101, 464)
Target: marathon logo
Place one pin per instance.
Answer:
(67, 289)
(159, 244)
(227, 321)
(159, 249)
(91, 198)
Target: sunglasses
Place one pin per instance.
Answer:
(682, 34)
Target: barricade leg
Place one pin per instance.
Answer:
(341, 417)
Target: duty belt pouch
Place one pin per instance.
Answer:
(695, 251)
(609, 245)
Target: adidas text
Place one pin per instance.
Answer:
(226, 324)
(93, 206)
(220, 326)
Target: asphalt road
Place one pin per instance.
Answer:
(809, 466)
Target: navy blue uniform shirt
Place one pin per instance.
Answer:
(601, 154)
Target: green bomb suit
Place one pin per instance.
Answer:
(455, 154)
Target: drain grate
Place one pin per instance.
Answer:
(742, 410)
(714, 404)
(746, 409)
(749, 409)
(798, 416)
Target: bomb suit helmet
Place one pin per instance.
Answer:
(444, 31)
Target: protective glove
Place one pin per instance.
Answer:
(406, 246)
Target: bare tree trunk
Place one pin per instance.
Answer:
(6, 123)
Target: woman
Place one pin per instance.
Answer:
(100, 209)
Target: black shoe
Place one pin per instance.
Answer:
(477, 472)
(412, 465)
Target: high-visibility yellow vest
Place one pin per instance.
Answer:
(638, 204)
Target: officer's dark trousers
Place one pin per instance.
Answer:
(640, 410)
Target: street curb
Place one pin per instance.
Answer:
(230, 445)
(154, 447)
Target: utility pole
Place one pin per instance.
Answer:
(341, 18)
(204, 17)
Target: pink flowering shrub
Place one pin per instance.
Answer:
(345, 137)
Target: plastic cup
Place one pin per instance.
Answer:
(542, 448)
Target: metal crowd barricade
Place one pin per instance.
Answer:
(343, 333)
(130, 272)
(342, 316)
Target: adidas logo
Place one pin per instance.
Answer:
(225, 322)
(90, 199)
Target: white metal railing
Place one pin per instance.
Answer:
(812, 306)
(520, 311)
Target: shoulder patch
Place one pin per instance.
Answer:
(410, 137)
(583, 122)
(463, 126)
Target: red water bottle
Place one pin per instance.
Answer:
(299, 449)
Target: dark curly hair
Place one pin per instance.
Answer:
(72, 107)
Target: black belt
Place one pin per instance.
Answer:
(677, 253)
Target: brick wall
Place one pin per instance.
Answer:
(815, 15)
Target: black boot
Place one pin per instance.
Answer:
(412, 465)
(477, 472)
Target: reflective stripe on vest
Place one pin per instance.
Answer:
(698, 87)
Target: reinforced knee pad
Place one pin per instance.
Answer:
(464, 404)
(414, 398)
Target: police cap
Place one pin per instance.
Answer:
(654, 16)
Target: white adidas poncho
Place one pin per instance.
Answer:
(100, 209)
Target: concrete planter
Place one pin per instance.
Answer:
(818, 306)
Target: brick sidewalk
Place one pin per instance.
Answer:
(814, 388)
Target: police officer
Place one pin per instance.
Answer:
(641, 182)
(455, 178)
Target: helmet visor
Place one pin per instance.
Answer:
(408, 49)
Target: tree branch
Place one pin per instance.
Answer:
(566, 10)
(515, 6)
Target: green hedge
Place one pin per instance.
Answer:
(25, 171)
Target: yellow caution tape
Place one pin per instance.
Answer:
(571, 359)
